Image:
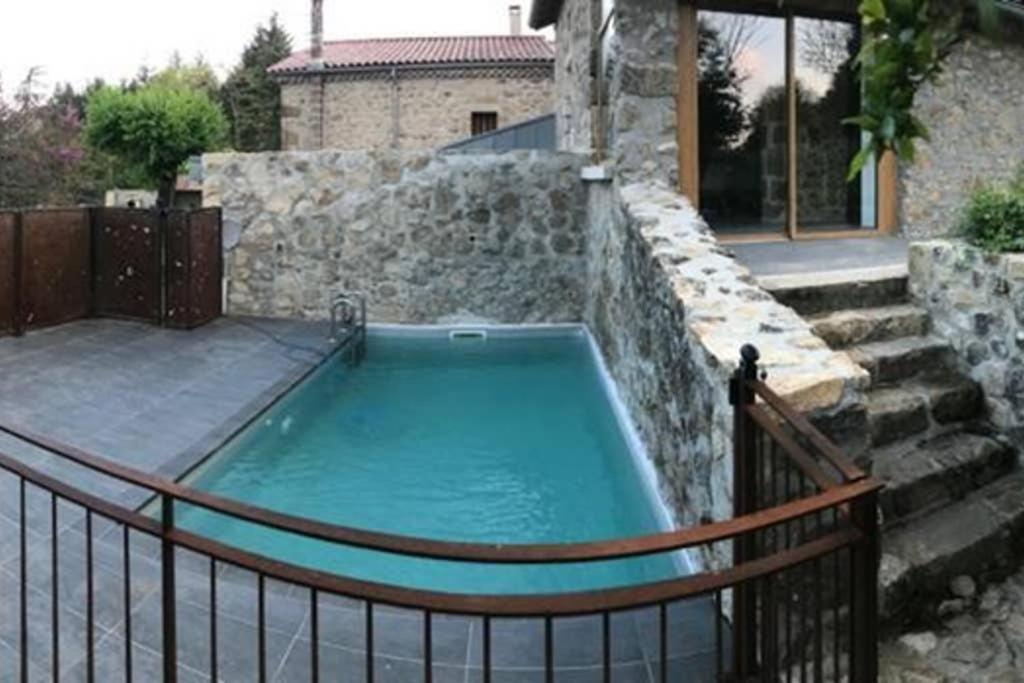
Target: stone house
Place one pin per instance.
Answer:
(411, 93)
(739, 104)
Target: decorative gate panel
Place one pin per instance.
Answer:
(128, 268)
(193, 268)
(55, 267)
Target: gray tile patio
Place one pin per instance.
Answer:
(160, 401)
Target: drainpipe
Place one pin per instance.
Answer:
(395, 110)
(316, 62)
(323, 110)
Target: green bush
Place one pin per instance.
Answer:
(994, 217)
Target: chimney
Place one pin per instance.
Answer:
(316, 48)
(515, 18)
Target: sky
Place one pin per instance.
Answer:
(78, 40)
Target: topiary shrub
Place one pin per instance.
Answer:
(994, 217)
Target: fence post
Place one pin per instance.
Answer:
(744, 501)
(162, 269)
(95, 225)
(167, 588)
(864, 558)
(19, 274)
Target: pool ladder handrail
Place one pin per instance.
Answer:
(348, 323)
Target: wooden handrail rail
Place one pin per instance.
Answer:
(794, 451)
(828, 449)
(435, 549)
(535, 605)
(526, 605)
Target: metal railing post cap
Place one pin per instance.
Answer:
(749, 354)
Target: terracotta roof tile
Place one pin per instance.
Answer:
(386, 52)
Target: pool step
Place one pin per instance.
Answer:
(846, 328)
(981, 535)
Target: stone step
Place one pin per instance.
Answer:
(896, 413)
(909, 408)
(843, 329)
(899, 359)
(933, 472)
(981, 536)
(817, 298)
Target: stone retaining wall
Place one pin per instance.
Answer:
(670, 310)
(429, 238)
(977, 303)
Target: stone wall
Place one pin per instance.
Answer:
(977, 304)
(413, 112)
(642, 91)
(975, 114)
(578, 28)
(428, 238)
(670, 310)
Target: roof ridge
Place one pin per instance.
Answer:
(423, 50)
(502, 36)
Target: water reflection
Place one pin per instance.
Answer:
(743, 124)
(828, 91)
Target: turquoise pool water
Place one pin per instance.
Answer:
(512, 440)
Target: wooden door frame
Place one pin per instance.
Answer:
(688, 134)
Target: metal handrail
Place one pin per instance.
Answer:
(802, 425)
(853, 531)
(348, 309)
(487, 553)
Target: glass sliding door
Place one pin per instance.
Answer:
(742, 122)
(762, 99)
(827, 91)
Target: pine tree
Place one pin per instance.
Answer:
(251, 97)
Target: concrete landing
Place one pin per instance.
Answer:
(823, 260)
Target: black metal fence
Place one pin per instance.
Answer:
(798, 592)
(58, 265)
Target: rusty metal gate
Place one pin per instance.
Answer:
(194, 263)
(127, 263)
(55, 269)
(58, 265)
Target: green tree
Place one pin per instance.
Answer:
(198, 75)
(905, 43)
(41, 156)
(251, 97)
(155, 129)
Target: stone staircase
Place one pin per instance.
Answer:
(954, 501)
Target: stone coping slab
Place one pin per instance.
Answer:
(727, 308)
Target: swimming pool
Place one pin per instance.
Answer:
(508, 438)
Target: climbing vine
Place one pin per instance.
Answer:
(904, 44)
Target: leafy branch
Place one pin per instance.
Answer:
(905, 43)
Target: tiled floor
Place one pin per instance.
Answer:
(160, 400)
